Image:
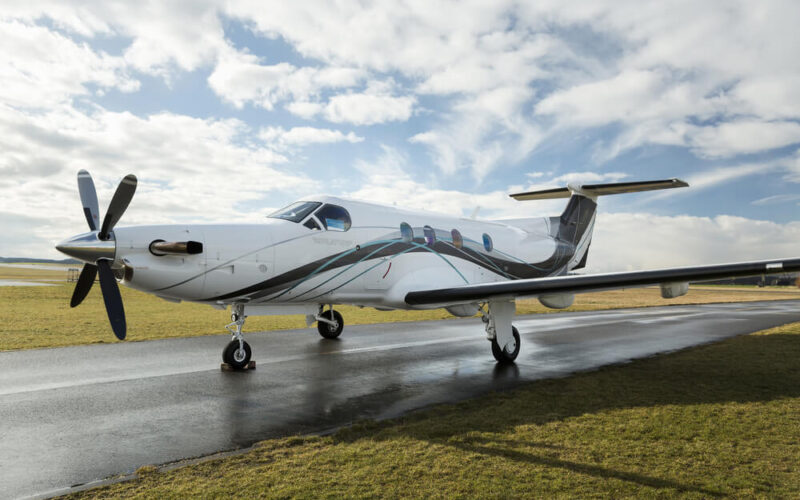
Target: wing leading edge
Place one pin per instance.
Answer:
(597, 282)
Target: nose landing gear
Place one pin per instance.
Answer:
(237, 353)
(329, 323)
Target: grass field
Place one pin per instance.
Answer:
(721, 420)
(34, 317)
(9, 272)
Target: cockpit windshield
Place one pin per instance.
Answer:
(296, 212)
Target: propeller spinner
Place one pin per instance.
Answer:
(97, 248)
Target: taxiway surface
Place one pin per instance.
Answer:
(78, 414)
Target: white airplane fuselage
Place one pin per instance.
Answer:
(281, 263)
(327, 250)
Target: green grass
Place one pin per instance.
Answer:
(34, 317)
(721, 420)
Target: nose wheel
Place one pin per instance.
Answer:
(330, 324)
(237, 355)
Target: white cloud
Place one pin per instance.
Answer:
(41, 68)
(775, 199)
(164, 36)
(655, 68)
(302, 136)
(240, 78)
(305, 109)
(742, 137)
(624, 241)
(386, 181)
(720, 175)
(769, 96)
(376, 104)
(623, 97)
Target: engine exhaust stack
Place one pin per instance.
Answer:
(161, 247)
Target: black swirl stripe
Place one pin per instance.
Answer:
(513, 270)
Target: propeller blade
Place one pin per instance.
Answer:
(88, 199)
(112, 298)
(122, 197)
(85, 282)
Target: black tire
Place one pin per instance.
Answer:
(501, 355)
(235, 358)
(327, 330)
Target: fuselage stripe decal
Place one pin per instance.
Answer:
(362, 273)
(366, 257)
(273, 285)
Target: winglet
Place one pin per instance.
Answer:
(595, 190)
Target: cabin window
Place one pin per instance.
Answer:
(406, 233)
(334, 217)
(430, 235)
(296, 211)
(458, 241)
(487, 242)
(312, 223)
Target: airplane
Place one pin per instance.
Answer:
(323, 251)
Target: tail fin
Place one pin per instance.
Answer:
(576, 223)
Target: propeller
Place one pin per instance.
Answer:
(98, 248)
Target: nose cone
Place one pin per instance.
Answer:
(88, 248)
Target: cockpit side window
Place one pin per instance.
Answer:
(296, 211)
(312, 223)
(334, 217)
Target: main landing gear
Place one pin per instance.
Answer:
(508, 353)
(329, 323)
(500, 332)
(237, 353)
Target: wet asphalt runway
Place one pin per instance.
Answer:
(74, 415)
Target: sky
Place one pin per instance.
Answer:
(228, 110)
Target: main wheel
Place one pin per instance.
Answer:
(509, 354)
(326, 329)
(235, 356)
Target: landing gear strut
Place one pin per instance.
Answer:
(329, 323)
(237, 353)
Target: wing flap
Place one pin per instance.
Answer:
(597, 282)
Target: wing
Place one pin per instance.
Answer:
(596, 282)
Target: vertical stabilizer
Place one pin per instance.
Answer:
(574, 227)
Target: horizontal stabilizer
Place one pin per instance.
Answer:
(594, 190)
